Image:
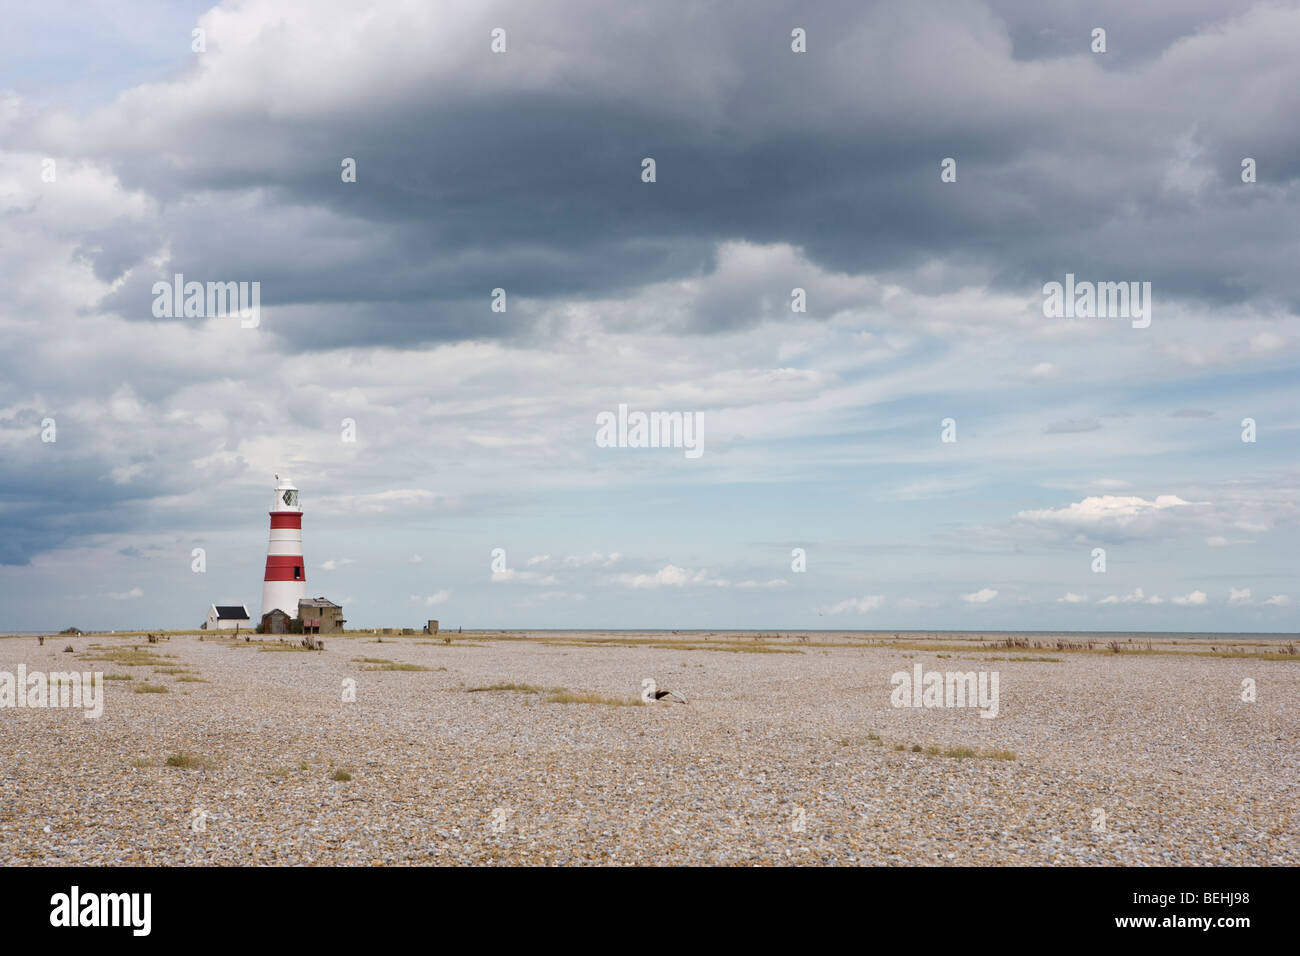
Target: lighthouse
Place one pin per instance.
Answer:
(285, 582)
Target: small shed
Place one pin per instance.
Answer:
(431, 627)
(277, 622)
(226, 617)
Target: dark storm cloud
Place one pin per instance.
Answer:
(53, 493)
(1134, 32)
(1064, 165)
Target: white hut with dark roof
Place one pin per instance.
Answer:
(226, 617)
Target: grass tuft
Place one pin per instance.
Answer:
(958, 753)
(130, 657)
(562, 695)
(186, 760)
(518, 688)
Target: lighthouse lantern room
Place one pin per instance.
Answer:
(285, 583)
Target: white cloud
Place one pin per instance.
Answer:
(1238, 595)
(672, 576)
(125, 474)
(1136, 596)
(538, 559)
(669, 576)
(982, 596)
(1195, 598)
(333, 564)
(1044, 370)
(438, 597)
(524, 577)
(1069, 597)
(1278, 600)
(1266, 342)
(130, 595)
(398, 499)
(1219, 541)
(1101, 510)
(595, 558)
(857, 605)
(1256, 526)
(124, 406)
(415, 559)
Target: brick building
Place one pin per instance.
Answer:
(319, 616)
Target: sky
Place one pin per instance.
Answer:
(448, 452)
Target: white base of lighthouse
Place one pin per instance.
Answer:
(283, 595)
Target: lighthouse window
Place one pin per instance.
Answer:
(297, 571)
(290, 498)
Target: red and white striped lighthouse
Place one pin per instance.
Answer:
(286, 574)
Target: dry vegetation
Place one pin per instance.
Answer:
(134, 656)
(1285, 652)
(561, 695)
(137, 655)
(187, 760)
(385, 664)
(517, 688)
(930, 750)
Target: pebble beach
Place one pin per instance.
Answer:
(537, 749)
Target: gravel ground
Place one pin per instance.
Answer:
(772, 761)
